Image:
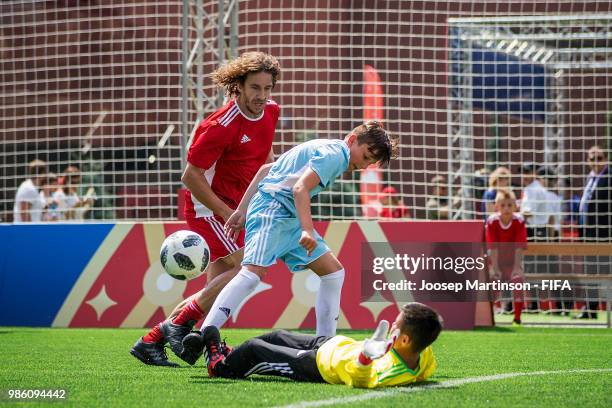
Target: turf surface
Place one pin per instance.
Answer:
(96, 369)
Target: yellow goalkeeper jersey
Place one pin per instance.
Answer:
(337, 363)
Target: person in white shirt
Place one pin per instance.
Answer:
(53, 203)
(533, 203)
(534, 209)
(76, 207)
(548, 178)
(29, 203)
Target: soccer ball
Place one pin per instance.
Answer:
(184, 255)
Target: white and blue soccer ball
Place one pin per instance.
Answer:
(185, 255)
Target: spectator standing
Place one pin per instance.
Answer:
(595, 204)
(506, 238)
(548, 178)
(75, 207)
(48, 193)
(533, 203)
(392, 205)
(570, 208)
(437, 206)
(595, 214)
(498, 179)
(29, 204)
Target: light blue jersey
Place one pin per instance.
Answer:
(328, 158)
(272, 228)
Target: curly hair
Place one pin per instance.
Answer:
(383, 146)
(235, 72)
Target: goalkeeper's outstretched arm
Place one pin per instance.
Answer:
(360, 372)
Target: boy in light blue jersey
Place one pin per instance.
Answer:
(276, 208)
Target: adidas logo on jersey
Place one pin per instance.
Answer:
(245, 139)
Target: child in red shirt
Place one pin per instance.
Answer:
(392, 206)
(506, 236)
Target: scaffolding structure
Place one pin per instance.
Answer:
(559, 44)
(210, 30)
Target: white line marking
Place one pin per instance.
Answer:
(444, 384)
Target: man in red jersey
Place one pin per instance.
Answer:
(227, 151)
(506, 237)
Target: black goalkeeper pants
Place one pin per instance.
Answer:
(279, 353)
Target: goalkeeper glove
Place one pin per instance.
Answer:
(379, 344)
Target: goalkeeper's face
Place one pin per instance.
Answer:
(402, 340)
(254, 93)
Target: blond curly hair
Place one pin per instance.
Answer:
(234, 73)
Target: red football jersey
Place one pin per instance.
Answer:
(514, 234)
(231, 147)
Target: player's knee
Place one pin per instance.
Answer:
(335, 278)
(273, 336)
(260, 271)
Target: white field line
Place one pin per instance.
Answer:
(429, 386)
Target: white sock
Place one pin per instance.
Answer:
(327, 306)
(230, 297)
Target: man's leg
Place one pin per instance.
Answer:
(174, 330)
(257, 356)
(327, 305)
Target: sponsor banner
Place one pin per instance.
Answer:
(109, 275)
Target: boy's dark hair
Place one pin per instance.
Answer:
(422, 324)
(381, 144)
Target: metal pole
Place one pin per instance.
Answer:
(199, 23)
(234, 31)
(185, 85)
(220, 44)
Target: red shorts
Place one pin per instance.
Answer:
(211, 229)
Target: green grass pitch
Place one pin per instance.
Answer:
(96, 369)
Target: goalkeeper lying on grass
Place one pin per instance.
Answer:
(398, 356)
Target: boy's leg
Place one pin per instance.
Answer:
(227, 266)
(327, 306)
(218, 274)
(264, 239)
(518, 298)
(232, 294)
